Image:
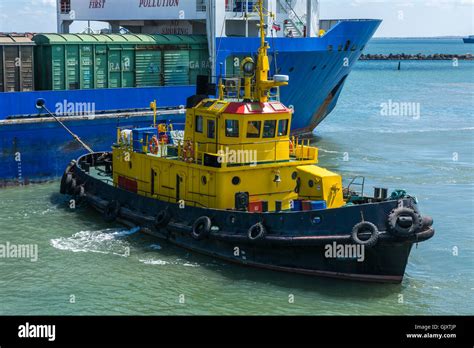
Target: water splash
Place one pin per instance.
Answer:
(105, 241)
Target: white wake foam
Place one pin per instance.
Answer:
(106, 241)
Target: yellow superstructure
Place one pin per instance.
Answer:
(233, 149)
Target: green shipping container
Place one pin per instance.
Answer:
(82, 61)
(16, 63)
(149, 71)
(87, 67)
(100, 67)
(177, 68)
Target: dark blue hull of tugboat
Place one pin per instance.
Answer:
(295, 241)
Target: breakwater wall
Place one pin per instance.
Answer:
(419, 56)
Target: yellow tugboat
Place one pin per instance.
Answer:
(238, 187)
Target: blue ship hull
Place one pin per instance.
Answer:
(32, 149)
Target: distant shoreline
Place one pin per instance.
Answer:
(419, 56)
(421, 38)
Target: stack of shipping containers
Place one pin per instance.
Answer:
(16, 63)
(81, 61)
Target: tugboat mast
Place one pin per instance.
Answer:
(263, 85)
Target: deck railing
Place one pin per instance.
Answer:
(234, 89)
(299, 149)
(240, 5)
(246, 154)
(201, 5)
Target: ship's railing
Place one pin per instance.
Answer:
(294, 22)
(328, 24)
(240, 6)
(292, 28)
(201, 5)
(248, 154)
(301, 149)
(356, 181)
(234, 89)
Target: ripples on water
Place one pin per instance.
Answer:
(110, 269)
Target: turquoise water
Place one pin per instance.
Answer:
(415, 46)
(83, 258)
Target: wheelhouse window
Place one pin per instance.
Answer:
(211, 129)
(283, 128)
(232, 128)
(199, 124)
(253, 129)
(269, 128)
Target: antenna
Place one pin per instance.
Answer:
(263, 85)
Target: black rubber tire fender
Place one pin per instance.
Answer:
(408, 214)
(72, 186)
(63, 186)
(111, 211)
(69, 167)
(365, 226)
(66, 179)
(201, 228)
(68, 182)
(257, 232)
(427, 221)
(162, 219)
(80, 191)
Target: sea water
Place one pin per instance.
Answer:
(85, 266)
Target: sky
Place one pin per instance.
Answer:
(401, 18)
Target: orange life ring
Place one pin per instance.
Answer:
(188, 152)
(291, 146)
(154, 145)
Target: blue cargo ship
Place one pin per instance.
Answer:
(469, 39)
(317, 55)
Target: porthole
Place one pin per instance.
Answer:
(204, 180)
(311, 183)
(313, 68)
(291, 69)
(294, 175)
(235, 180)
